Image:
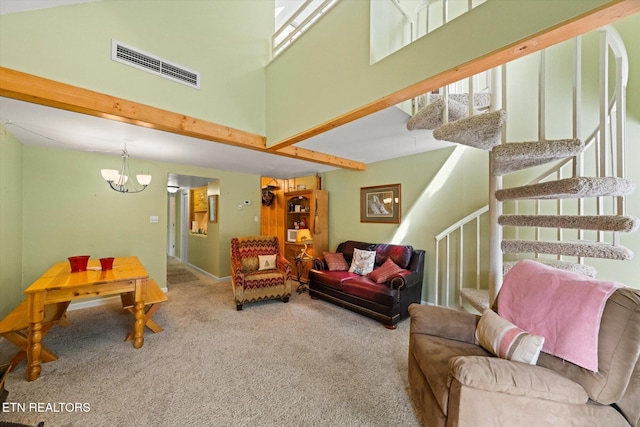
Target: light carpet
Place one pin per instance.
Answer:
(304, 363)
(180, 275)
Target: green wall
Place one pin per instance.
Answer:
(226, 41)
(438, 188)
(330, 63)
(58, 206)
(11, 198)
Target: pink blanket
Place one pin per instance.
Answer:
(563, 307)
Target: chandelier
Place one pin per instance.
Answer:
(119, 179)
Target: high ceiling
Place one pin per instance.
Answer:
(381, 136)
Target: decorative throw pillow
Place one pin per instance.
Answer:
(362, 262)
(506, 340)
(387, 270)
(335, 261)
(250, 263)
(267, 262)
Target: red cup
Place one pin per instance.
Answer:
(106, 263)
(78, 263)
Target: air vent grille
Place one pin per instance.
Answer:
(158, 66)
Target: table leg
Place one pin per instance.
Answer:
(35, 304)
(138, 327)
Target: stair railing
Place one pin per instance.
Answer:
(605, 145)
(310, 11)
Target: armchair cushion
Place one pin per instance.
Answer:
(250, 263)
(262, 279)
(517, 379)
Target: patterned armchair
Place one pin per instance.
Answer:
(258, 270)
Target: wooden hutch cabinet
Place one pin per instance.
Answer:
(306, 209)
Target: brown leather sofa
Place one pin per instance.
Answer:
(386, 302)
(455, 382)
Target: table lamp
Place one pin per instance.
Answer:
(304, 236)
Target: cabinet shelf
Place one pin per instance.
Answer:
(311, 208)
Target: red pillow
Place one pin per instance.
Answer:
(335, 261)
(383, 273)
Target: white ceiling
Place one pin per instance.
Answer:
(380, 136)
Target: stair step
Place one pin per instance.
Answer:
(621, 223)
(585, 270)
(568, 248)
(430, 117)
(569, 188)
(479, 131)
(515, 156)
(477, 298)
(481, 100)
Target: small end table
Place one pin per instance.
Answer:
(302, 264)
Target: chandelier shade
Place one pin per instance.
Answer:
(118, 179)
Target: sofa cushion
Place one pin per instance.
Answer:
(387, 270)
(506, 340)
(332, 279)
(433, 355)
(400, 254)
(362, 262)
(335, 261)
(364, 287)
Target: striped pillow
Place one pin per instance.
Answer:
(383, 273)
(335, 261)
(505, 340)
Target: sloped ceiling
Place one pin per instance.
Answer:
(378, 137)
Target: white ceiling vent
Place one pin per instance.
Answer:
(153, 64)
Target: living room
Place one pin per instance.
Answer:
(54, 203)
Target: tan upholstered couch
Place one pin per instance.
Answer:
(455, 382)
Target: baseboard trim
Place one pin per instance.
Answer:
(209, 275)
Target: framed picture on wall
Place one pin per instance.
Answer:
(213, 208)
(380, 204)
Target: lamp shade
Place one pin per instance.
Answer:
(304, 236)
(109, 174)
(144, 179)
(172, 188)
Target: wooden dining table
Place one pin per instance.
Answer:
(59, 285)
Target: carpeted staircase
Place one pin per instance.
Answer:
(484, 131)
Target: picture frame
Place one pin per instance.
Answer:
(213, 208)
(380, 204)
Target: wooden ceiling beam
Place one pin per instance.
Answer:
(589, 21)
(27, 87)
(317, 157)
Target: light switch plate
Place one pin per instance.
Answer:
(153, 219)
